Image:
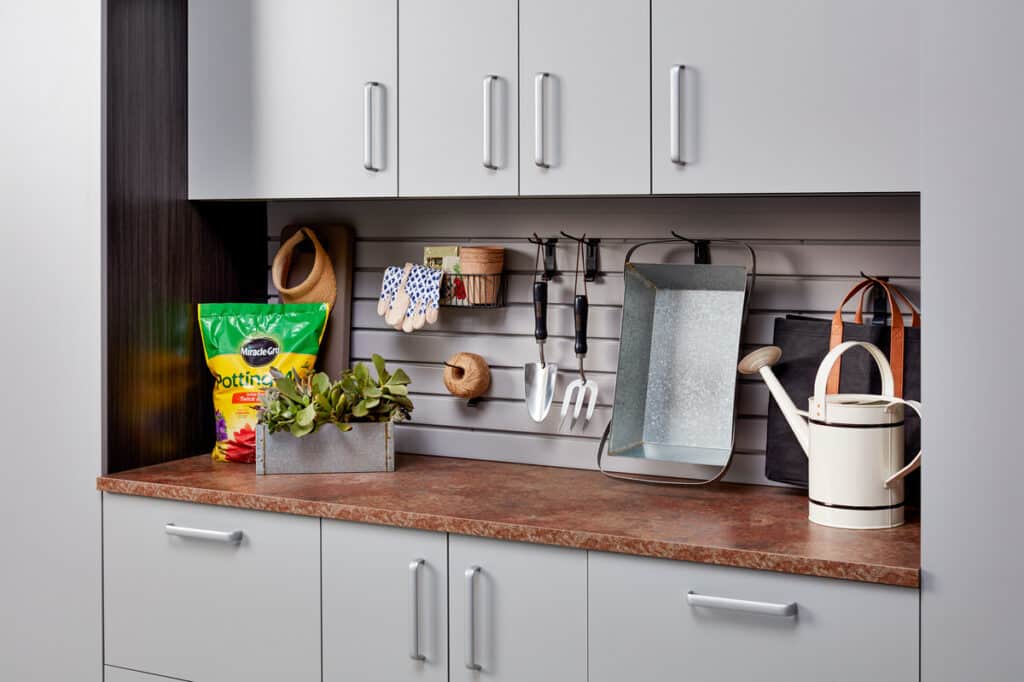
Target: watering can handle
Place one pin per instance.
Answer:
(818, 407)
(914, 463)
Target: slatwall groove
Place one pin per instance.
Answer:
(810, 253)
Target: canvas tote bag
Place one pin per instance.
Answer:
(805, 341)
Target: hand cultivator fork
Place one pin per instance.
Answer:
(581, 387)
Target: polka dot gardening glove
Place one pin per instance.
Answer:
(400, 303)
(388, 288)
(417, 290)
(433, 297)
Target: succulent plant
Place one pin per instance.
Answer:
(301, 406)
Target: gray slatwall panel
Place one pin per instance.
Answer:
(604, 322)
(897, 259)
(810, 250)
(560, 451)
(507, 384)
(777, 293)
(509, 415)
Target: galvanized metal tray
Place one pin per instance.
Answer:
(675, 391)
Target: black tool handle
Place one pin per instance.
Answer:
(581, 310)
(540, 310)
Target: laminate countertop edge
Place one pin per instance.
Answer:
(707, 552)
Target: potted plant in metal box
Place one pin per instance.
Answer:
(315, 425)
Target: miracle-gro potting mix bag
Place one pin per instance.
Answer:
(242, 341)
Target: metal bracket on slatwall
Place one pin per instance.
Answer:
(879, 302)
(592, 259)
(550, 249)
(591, 255)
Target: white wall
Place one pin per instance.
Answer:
(51, 338)
(972, 111)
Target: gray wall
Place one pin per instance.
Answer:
(51, 187)
(810, 251)
(972, 108)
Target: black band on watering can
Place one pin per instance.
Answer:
(857, 426)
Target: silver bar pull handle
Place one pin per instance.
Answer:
(761, 607)
(489, 82)
(368, 125)
(539, 150)
(471, 663)
(675, 121)
(414, 610)
(232, 537)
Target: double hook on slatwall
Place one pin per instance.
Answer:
(549, 246)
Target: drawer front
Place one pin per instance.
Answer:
(210, 608)
(643, 629)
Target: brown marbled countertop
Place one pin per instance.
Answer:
(733, 525)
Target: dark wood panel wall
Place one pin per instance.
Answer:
(164, 253)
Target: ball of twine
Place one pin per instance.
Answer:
(466, 375)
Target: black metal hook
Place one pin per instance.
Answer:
(701, 249)
(550, 246)
(592, 257)
(879, 300)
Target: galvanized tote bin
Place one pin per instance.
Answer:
(368, 447)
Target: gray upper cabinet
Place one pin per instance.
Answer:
(584, 102)
(458, 118)
(784, 96)
(292, 99)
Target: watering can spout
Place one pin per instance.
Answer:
(760, 362)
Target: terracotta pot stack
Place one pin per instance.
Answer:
(482, 260)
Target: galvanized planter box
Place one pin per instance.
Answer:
(367, 447)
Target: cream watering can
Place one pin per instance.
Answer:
(853, 442)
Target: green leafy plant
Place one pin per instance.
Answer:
(303, 406)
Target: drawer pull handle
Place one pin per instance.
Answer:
(232, 537)
(471, 663)
(414, 610)
(764, 608)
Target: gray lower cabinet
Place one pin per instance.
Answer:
(644, 628)
(210, 594)
(385, 603)
(517, 611)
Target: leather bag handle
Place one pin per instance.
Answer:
(915, 320)
(896, 340)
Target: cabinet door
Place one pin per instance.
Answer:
(517, 611)
(292, 99)
(586, 123)
(643, 628)
(385, 610)
(784, 96)
(185, 598)
(458, 120)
